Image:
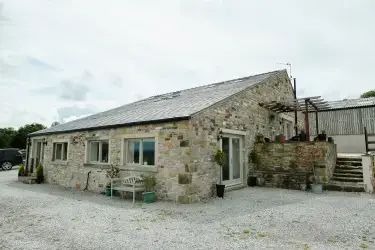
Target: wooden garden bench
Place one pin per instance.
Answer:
(128, 184)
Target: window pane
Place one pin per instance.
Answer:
(65, 152)
(105, 148)
(133, 151)
(58, 151)
(148, 147)
(94, 151)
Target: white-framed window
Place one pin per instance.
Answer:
(98, 151)
(60, 151)
(140, 151)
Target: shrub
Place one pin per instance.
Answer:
(21, 170)
(149, 182)
(39, 173)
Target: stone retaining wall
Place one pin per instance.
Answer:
(287, 165)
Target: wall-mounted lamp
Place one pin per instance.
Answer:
(28, 141)
(220, 135)
(44, 141)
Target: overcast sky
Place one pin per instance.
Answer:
(63, 59)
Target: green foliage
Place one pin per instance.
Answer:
(254, 158)
(11, 138)
(21, 170)
(363, 245)
(368, 94)
(19, 140)
(6, 136)
(219, 157)
(149, 182)
(113, 172)
(39, 173)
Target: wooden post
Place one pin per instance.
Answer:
(316, 122)
(307, 125)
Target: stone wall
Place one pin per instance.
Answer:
(240, 112)
(287, 165)
(173, 159)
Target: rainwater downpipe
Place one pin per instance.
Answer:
(28, 143)
(87, 180)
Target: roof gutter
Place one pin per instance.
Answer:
(347, 108)
(173, 119)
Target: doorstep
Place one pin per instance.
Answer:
(233, 187)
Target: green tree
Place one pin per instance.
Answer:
(368, 94)
(19, 139)
(6, 137)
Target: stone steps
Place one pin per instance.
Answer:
(347, 179)
(354, 175)
(349, 163)
(344, 159)
(348, 175)
(348, 171)
(345, 167)
(345, 187)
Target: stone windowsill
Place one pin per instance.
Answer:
(97, 165)
(60, 163)
(139, 168)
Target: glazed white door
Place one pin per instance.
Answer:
(232, 171)
(38, 150)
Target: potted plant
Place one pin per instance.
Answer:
(108, 189)
(219, 159)
(259, 137)
(302, 135)
(39, 174)
(253, 158)
(322, 136)
(21, 170)
(316, 187)
(149, 183)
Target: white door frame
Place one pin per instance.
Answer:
(35, 148)
(240, 136)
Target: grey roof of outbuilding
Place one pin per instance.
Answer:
(352, 103)
(174, 105)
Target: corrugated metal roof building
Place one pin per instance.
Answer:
(345, 121)
(346, 117)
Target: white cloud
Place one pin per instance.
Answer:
(114, 52)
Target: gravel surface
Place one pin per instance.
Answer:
(50, 217)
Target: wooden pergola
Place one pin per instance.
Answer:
(305, 105)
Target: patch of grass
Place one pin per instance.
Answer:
(306, 246)
(260, 235)
(153, 220)
(139, 204)
(363, 245)
(245, 231)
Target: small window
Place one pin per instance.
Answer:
(60, 151)
(141, 151)
(98, 151)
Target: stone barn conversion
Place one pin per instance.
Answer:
(172, 135)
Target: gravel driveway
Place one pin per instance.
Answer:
(50, 217)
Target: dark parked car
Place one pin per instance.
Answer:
(10, 157)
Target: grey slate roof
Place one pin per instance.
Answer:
(352, 103)
(179, 104)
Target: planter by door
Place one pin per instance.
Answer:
(220, 190)
(317, 188)
(252, 181)
(148, 197)
(108, 191)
